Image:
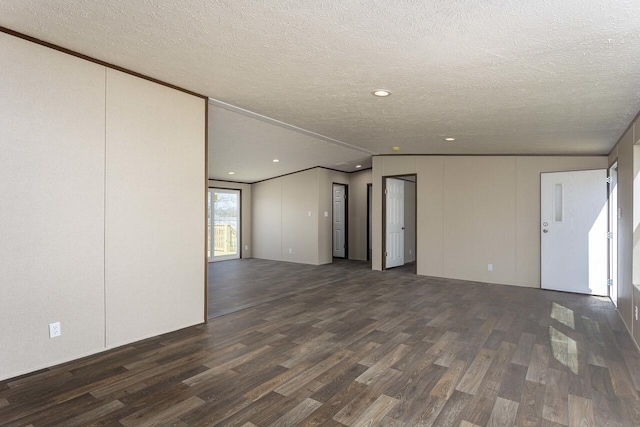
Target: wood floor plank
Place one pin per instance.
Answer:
(472, 378)
(503, 414)
(374, 414)
(447, 384)
(531, 405)
(556, 398)
(580, 412)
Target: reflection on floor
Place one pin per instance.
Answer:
(370, 348)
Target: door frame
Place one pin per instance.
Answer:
(346, 220)
(369, 194)
(613, 242)
(384, 216)
(240, 247)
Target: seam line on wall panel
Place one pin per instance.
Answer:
(104, 229)
(515, 220)
(443, 220)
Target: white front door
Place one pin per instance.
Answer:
(339, 200)
(573, 231)
(394, 223)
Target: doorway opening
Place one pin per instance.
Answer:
(340, 220)
(224, 226)
(399, 224)
(614, 215)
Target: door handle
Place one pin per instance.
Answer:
(545, 231)
(403, 228)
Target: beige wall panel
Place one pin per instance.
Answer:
(266, 219)
(399, 165)
(479, 218)
(613, 156)
(625, 226)
(326, 179)
(528, 170)
(246, 212)
(409, 222)
(155, 209)
(376, 228)
(430, 199)
(358, 184)
(51, 206)
(299, 229)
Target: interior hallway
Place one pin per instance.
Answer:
(388, 348)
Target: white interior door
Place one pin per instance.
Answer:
(339, 228)
(394, 223)
(573, 232)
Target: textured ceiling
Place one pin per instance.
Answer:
(502, 76)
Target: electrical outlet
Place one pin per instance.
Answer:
(490, 267)
(246, 247)
(54, 330)
(326, 214)
(309, 213)
(409, 251)
(290, 250)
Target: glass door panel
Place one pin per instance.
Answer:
(224, 235)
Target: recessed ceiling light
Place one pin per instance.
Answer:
(381, 93)
(449, 139)
(395, 148)
(275, 160)
(232, 173)
(358, 166)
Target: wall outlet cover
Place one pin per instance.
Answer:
(490, 267)
(54, 330)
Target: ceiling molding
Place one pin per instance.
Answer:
(253, 115)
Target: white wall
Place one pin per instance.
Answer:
(246, 208)
(474, 211)
(288, 213)
(623, 152)
(155, 192)
(281, 221)
(51, 206)
(84, 158)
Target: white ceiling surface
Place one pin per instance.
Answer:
(247, 147)
(502, 76)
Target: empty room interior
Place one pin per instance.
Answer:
(289, 213)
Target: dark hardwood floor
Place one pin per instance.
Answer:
(243, 283)
(389, 349)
